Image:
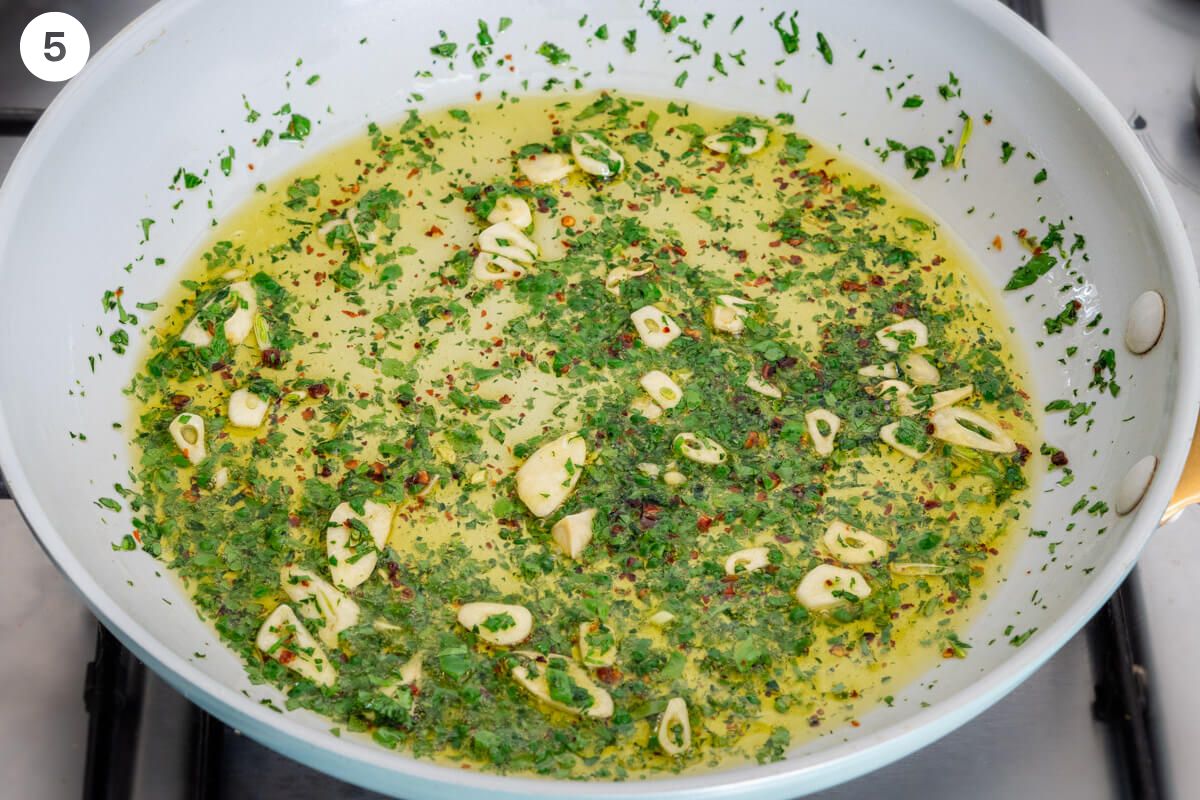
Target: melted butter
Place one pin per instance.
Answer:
(338, 340)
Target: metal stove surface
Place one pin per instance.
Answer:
(1048, 738)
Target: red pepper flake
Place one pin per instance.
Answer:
(704, 522)
(318, 390)
(434, 231)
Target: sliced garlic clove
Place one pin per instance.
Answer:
(618, 275)
(352, 565)
(597, 645)
(896, 392)
(656, 329)
(284, 638)
(646, 407)
(596, 156)
(674, 732)
(850, 545)
(188, 432)
(237, 326)
(246, 409)
(725, 141)
(506, 239)
(674, 478)
(887, 370)
(661, 619)
(918, 369)
(949, 397)
(573, 532)
(968, 429)
(549, 475)
(533, 679)
(823, 426)
(513, 210)
(497, 623)
(491, 267)
(661, 388)
(749, 560)
(650, 470)
(316, 598)
(887, 435)
(757, 384)
(412, 670)
(816, 591)
(220, 478)
(728, 314)
(545, 167)
(701, 449)
(912, 331)
(241, 321)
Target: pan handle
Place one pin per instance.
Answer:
(1187, 491)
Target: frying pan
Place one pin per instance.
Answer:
(168, 93)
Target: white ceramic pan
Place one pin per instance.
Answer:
(168, 91)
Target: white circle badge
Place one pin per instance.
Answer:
(55, 46)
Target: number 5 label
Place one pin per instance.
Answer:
(55, 46)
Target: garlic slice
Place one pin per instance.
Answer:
(656, 329)
(701, 449)
(661, 619)
(816, 589)
(220, 478)
(545, 167)
(674, 478)
(537, 685)
(285, 639)
(822, 440)
(618, 275)
(982, 435)
(596, 156)
(674, 728)
(597, 645)
(491, 267)
(549, 475)
(646, 407)
(237, 326)
(919, 370)
(888, 435)
(719, 143)
(661, 388)
(937, 400)
(316, 598)
(497, 623)
(850, 545)
(511, 209)
(757, 384)
(887, 370)
(911, 329)
(350, 566)
(728, 314)
(246, 409)
(506, 239)
(188, 432)
(412, 670)
(750, 559)
(573, 532)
